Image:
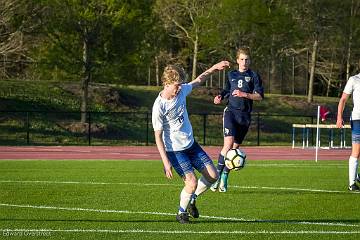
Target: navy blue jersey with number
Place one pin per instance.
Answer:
(249, 82)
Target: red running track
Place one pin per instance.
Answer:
(151, 153)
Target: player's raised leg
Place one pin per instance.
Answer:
(224, 177)
(221, 168)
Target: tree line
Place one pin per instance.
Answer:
(124, 41)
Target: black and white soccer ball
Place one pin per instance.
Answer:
(235, 159)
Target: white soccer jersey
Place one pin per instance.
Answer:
(172, 117)
(353, 87)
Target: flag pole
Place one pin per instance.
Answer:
(317, 134)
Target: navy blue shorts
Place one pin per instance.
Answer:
(355, 131)
(185, 161)
(236, 124)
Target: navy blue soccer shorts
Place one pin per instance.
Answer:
(355, 131)
(236, 124)
(185, 161)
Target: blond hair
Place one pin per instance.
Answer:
(173, 74)
(243, 50)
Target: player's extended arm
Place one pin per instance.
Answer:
(161, 148)
(202, 77)
(341, 106)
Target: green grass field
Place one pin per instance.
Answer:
(133, 200)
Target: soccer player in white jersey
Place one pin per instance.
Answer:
(175, 141)
(352, 87)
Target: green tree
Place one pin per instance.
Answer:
(187, 20)
(350, 28)
(265, 26)
(85, 36)
(315, 19)
(17, 23)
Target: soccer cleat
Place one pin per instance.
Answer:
(183, 218)
(354, 188)
(358, 178)
(192, 210)
(223, 182)
(215, 186)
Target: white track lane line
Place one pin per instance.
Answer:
(173, 214)
(166, 184)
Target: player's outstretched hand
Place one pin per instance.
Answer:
(221, 65)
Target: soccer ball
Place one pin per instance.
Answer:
(235, 159)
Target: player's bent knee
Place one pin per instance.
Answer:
(216, 176)
(213, 180)
(210, 173)
(213, 177)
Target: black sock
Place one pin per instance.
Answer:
(221, 163)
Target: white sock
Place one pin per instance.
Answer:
(184, 200)
(353, 165)
(202, 186)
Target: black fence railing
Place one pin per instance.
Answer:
(134, 128)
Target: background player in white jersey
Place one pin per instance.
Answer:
(243, 86)
(175, 141)
(352, 87)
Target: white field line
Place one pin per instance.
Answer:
(299, 165)
(251, 163)
(292, 189)
(89, 183)
(172, 214)
(46, 232)
(168, 184)
(85, 209)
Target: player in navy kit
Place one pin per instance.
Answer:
(243, 86)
